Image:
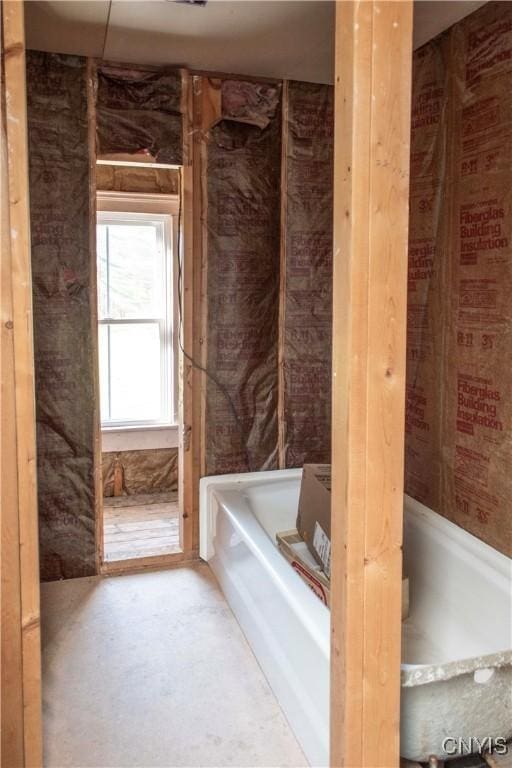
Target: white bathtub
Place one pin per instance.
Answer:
(457, 662)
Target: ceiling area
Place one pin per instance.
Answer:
(267, 38)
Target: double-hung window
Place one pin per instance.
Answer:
(136, 356)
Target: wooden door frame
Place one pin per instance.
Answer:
(188, 249)
(203, 110)
(371, 190)
(172, 205)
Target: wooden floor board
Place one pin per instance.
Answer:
(144, 527)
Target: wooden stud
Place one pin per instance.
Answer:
(201, 261)
(372, 129)
(136, 564)
(187, 479)
(91, 75)
(185, 452)
(204, 105)
(23, 370)
(12, 750)
(281, 418)
(118, 483)
(185, 121)
(135, 160)
(211, 103)
(208, 111)
(214, 74)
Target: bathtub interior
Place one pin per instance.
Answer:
(275, 505)
(459, 591)
(459, 588)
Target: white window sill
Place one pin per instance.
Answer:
(138, 438)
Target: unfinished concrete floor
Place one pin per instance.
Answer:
(152, 669)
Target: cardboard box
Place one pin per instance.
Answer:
(314, 515)
(295, 550)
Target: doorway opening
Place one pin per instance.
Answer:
(137, 274)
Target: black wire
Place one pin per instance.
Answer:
(189, 357)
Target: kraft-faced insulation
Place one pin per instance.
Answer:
(61, 278)
(306, 309)
(242, 189)
(428, 218)
(459, 407)
(152, 470)
(137, 179)
(140, 111)
(476, 487)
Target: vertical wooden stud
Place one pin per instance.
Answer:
(118, 473)
(187, 470)
(202, 111)
(91, 74)
(25, 493)
(281, 420)
(372, 130)
(12, 749)
(207, 112)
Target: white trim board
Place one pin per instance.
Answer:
(129, 439)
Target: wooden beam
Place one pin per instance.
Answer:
(281, 416)
(204, 110)
(207, 113)
(12, 750)
(153, 563)
(372, 129)
(91, 76)
(24, 449)
(187, 469)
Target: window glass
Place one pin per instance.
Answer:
(101, 253)
(132, 270)
(104, 369)
(134, 291)
(135, 372)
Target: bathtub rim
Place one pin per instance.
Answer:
(313, 615)
(208, 484)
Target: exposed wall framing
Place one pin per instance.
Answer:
(238, 415)
(231, 191)
(372, 130)
(203, 110)
(62, 96)
(459, 389)
(21, 728)
(243, 154)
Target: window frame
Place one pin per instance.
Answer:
(117, 206)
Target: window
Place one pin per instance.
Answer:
(136, 356)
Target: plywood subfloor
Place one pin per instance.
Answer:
(140, 526)
(150, 670)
